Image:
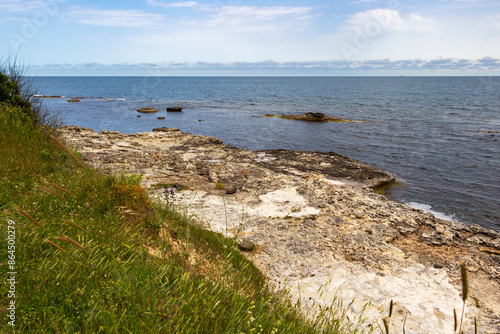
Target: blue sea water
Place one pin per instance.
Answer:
(440, 135)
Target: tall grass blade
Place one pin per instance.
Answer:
(55, 245)
(386, 326)
(60, 188)
(75, 225)
(465, 292)
(455, 327)
(58, 142)
(52, 192)
(81, 264)
(68, 239)
(390, 308)
(465, 283)
(30, 218)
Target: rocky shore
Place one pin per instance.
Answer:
(316, 223)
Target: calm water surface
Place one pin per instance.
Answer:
(440, 135)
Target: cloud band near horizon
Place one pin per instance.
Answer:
(333, 67)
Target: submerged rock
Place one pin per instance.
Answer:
(174, 109)
(311, 117)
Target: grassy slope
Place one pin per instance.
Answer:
(107, 260)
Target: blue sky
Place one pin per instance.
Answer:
(244, 37)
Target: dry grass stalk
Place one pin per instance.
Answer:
(30, 218)
(81, 264)
(68, 239)
(67, 150)
(455, 320)
(465, 291)
(386, 325)
(60, 188)
(55, 245)
(52, 192)
(465, 283)
(75, 225)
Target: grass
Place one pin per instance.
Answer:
(93, 253)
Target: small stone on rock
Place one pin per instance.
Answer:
(246, 246)
(231, 189)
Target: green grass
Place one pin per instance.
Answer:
(93, 254)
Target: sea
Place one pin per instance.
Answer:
(439, 136)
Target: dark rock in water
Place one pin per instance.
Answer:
(79, 98)
(246, 246)
(160, 117)
(147, 110)
(174, 109)
(311, 117)
(139, 116)
(165, 129)
(49, 96)
(73, 100)
(326, 163)
(231, 189)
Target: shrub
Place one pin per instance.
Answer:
(19, 92)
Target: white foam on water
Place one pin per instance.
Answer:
(428, 208)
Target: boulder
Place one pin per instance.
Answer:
(73, 100)
(174, 109)
(147, 110)
(160, 117)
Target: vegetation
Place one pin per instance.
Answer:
(93, 254)
(85, 252)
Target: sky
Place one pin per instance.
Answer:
(252, 37)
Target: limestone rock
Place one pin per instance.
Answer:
(165, 129)
(318, 224)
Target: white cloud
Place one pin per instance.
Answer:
(20, 6)
(235, 15)
(389, 20)
(115, 18)
(231, 15)
(366, 67)
(188, 4)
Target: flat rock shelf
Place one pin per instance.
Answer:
(315, 221)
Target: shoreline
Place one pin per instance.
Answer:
(313, 217)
